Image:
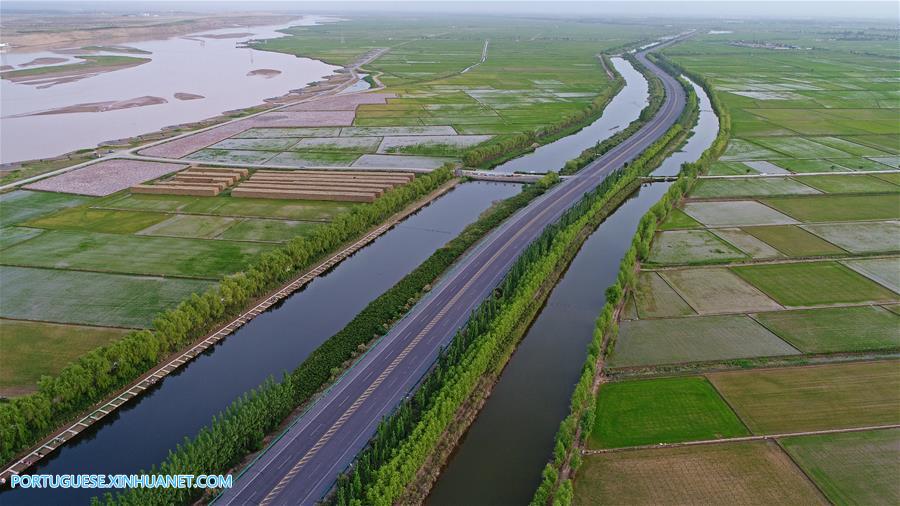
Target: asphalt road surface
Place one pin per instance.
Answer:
(302, 465)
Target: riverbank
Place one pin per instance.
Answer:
(179, 358)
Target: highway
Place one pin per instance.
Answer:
(302, 465)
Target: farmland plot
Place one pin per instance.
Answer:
(734, 473)
(851, 468)
(698, 339)
(664, 410)
(793, 399)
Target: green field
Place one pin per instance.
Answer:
(252, 229)
(90, 298)
(699, 339)
(839, 329)
(747, 243)
(186, 225)
(794, 399)
(14, 235)
(732, 473)
(756, 187)
(34, 349)
(678, 220)
(98, 220)
(710, 291)
(665, 410)
(691, 246)
(851, 468)
(850, 184)
(865, 237)
(65, 249)
(21, 205)
(885, 271)
(654, 298)
(838, 207)
(306, 210)
(794, 241)
(812, 283)
(735, 213)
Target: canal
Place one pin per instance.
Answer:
(141, 434)
(500, 459)
(624, 108)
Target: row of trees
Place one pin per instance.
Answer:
(655, 90)
(242, 427)
(25, 420)
(558, 492)
(405, 440)
(505, 147)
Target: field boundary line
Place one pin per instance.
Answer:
(800, 469)
(802, 174)
(147, 380)
(763, 437)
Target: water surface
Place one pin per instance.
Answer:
(501, 457)
(214, 68)
(624, 108)
(278, 340)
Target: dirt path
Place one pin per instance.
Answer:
(739, 439)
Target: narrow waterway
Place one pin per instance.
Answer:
(624, 108)
(141, 434)
(499, 461)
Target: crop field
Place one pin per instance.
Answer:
(691, 246)
(851, 468)
(710, 291)
(839, 329)
(804, 166)
(34, 349)
(885, 271)
(733, 473)
(21, 205)
(793, 399)
(735, 213)
(747, 243)
(664, 410)
(302, 210)
(830, 109)
(678, 220)
(850, 184)
(166, 256)
(813, 283)
(794, 241)
(707, 338)
(90, 298)
(757, 187)
(654, 298)
(865, 237)
(838, 207)
(98, 220)
(14, 235)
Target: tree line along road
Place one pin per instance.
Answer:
(303, 464)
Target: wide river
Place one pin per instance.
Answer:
(214, 68)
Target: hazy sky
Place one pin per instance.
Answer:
(883, 10)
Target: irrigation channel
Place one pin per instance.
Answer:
(624, 108)
(140, 434)
(501, 457)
